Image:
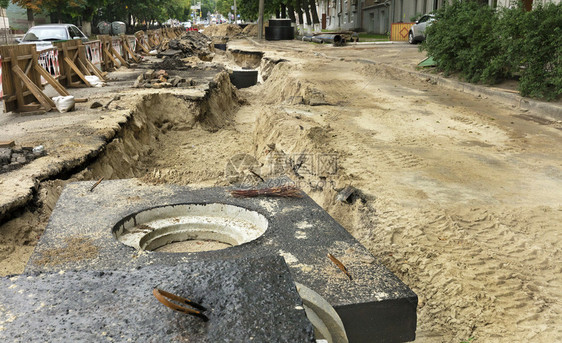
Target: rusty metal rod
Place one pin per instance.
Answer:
(162, 295)
(340, 266)
(96, 184)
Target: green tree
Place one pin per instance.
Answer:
(463, 39)
(146, 12)
(249, 8)
(224, 7)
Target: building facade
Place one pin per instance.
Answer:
(373, 16)
(376, 16)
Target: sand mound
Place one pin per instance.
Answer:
(190, 44)
(251, 30)
(224, 30)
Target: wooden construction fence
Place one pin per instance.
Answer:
(75, 64)
(399, 31)
(24, 71)
(21, 80)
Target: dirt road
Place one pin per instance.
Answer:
(459, 195)
(463, 194)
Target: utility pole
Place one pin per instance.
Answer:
(260, 21)
(235, 17)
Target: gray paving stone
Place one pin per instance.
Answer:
(246, 300)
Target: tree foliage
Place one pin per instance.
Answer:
(485, 45)
(249, 9)
(111, 10)
(462, 39)
(144, 10)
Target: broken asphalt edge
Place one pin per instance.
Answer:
(29, 181)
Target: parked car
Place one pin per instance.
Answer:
(43, 36)
(417, 31)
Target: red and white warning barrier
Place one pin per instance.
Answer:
(93, 52)
(132, 43)
(49, 60)
(116, 43)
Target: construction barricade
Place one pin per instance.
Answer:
(49, 60)
(22, 89)
(24, 71)
(93, 52)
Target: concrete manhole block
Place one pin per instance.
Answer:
(246, 300)
(374, 306)
(190, 228)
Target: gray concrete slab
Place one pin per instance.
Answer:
(374, 305)
(246, 300)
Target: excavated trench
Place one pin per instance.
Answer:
(272, 129)
(171, 137)
(216, 139)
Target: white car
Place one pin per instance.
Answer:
(43, 36)
(417, 31)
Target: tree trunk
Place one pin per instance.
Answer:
(307, 12)
(30, 18)
(291, 11)
(315, 19)
(87, 28)
(6, 28)
(298, 7)
(283, 11)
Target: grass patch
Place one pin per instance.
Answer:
(366, 37)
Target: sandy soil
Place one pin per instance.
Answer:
(460, 196)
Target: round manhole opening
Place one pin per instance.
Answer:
(190, 228)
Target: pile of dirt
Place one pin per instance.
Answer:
(223, 30)
(170, 64)
(289, 89)
(250, 30)
(160, 79)
(192, 43)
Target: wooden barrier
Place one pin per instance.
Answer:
(109, 55)
(24, 71)
(128, 52)
(72, 55)
(399, 31)
(21, 80)
(142, 44)
(153, 40)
